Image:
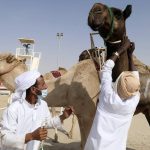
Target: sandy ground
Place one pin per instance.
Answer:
(138, 139)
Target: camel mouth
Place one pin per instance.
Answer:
(95, 24)
(96, 27)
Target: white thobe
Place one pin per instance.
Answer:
(21, 118)
(113, 115)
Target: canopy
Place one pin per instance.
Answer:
(25, 40)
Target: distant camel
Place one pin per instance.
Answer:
(10, 67)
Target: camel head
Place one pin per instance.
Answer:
(109, 22)
(10, 68)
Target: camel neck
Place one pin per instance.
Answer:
(121, 64)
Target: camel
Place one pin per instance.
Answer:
(49, 76)
(10, 67)
(110, 23)
(79, 87)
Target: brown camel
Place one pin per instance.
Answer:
(110, 23)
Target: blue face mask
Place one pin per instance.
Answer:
(44, 93)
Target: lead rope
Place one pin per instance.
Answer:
(43, 125)
(102, 60)
(95, 63)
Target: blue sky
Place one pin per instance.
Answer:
(43, 19)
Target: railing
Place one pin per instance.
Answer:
(24, 52)
(32, 58)
(29, 53)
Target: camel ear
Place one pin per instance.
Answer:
(127, 11)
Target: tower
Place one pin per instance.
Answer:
(26, 51)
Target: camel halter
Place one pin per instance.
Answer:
(101, 58)
(111, 22)
(112, 25)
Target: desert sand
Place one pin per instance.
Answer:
(138, 139)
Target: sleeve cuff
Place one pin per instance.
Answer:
(21, 141)
(110, 63)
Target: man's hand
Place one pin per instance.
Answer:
(66, 113)
(130, 58)
(126, 45)
(39, 134)
(131, 49)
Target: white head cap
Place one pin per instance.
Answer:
(23, 82)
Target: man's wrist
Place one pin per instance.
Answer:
(28, 137)
(116, 54)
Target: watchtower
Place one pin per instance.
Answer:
(26, 50)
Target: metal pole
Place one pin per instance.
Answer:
(92, 40)
(59, 36)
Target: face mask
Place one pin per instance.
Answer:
(44, 93)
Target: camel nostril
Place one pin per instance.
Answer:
(99, 11)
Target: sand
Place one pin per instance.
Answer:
(138, 139)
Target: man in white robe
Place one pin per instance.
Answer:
(22, 121)
(116, 106)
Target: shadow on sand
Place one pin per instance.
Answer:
(50, 145)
